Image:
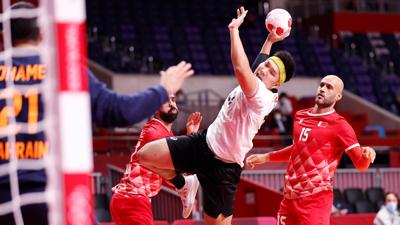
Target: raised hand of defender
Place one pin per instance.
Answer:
(172, 78)
(193, 122)
(255, 159)
(236, 22)
(369, 153)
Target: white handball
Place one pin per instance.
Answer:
(279, 21)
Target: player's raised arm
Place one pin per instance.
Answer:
(110, 109)
(266, 48)
(240, 63)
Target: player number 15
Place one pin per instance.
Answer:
(281, 220)
(304, 134)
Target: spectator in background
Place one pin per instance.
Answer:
(339, 211)
(285, 104)
(283, 115)
(388, 214)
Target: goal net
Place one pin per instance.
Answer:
(45, 132)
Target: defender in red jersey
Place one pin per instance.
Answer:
(320, 137)
(131, 203)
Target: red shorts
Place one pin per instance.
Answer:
(310, 210)
(131, 210)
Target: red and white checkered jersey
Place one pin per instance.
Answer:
(319, 141)
(138, 180)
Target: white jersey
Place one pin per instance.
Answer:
(231, 135)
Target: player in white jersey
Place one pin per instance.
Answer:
(216, 155)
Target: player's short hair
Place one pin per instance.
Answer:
(23, 29)
(288, 61)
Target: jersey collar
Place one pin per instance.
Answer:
(320, 114)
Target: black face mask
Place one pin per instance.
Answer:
(170, 116)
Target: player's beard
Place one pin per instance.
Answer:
(324, 102)
(170, 116)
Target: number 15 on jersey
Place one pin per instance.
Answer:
(304, 134)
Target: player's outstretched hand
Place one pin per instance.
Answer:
(369, 153)
(236, 22)
(255, 159)
(172, 78)
(193, 122)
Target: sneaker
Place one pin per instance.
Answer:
(188, 194)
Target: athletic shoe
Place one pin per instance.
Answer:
(188, 194)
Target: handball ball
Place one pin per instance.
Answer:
(279, 21)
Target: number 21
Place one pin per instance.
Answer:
(304, 134)
(33, 100)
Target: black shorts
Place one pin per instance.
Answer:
(219, 180)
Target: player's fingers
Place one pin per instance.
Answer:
(182, 67)
(198, 118)
(364, 152)
(369, 153)
(249, 164)
(195, 119)
(181, 64)
(237, 13)
(372, 155)
(252, 158)
(171, 68)
(242, 10)
(189, 72)
(191, 117)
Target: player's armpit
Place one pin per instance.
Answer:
(359, 161)
(282, 155)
